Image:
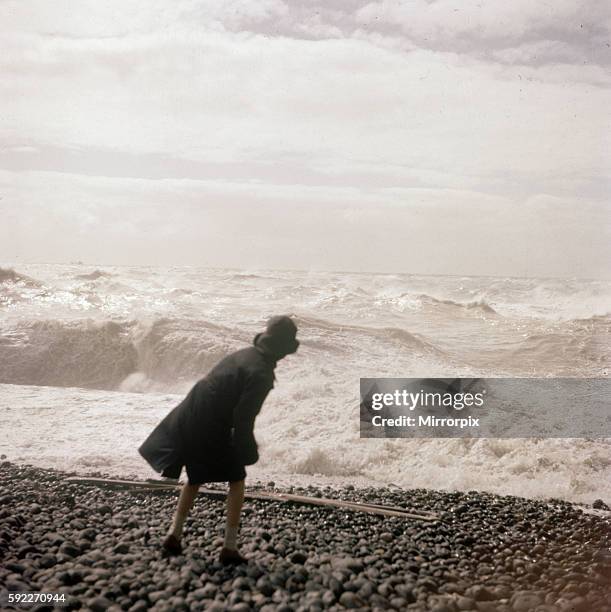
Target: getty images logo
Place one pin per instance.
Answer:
(426, 399)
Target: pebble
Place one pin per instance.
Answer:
(47, 560)
(298, 557)
(480, 593)
(350, 600)
(525, 601)
(346, 563)
(69, 549)
(465, 603)
(265, 586)
(99, 604)
(121, 548)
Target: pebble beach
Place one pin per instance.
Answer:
(99, 547)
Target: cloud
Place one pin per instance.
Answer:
(231, 223)
(227, 96)
(447, 19)
(480, 27)
(540, 51)
(90, 19)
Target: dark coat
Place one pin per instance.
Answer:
(211, 431)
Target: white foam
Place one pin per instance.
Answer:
(91, 430)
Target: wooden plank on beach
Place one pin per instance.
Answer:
(264, 496)
(349, 505)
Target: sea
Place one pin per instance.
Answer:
(93, 357)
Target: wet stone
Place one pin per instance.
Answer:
(99, 604)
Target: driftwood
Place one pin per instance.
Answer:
(265, 496)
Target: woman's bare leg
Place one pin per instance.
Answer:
(185, 502)
(235, 499)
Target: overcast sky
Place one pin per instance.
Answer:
(459, 137)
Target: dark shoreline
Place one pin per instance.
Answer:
(489, 553)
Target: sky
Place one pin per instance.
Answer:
(433, 137)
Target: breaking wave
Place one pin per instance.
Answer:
(162, 354)
(328, 333)
(93, 275)
(104, 355)
(8, 275)
(570, 348)
(476, 305)
(54, 353)
(168, 354)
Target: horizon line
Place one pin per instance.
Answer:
(302, 270)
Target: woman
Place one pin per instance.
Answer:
(211, 431)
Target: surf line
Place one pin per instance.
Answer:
(337, 504)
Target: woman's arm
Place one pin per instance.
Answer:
(257, 386)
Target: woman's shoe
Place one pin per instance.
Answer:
(171, 546)
(231, 557)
